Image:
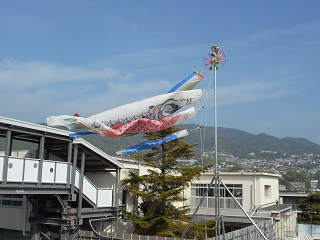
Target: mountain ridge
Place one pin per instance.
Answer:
(230, 140)
(233, 141)
(241, 143)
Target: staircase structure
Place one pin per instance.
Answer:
(54, 186)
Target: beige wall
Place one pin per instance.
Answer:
(267, 190)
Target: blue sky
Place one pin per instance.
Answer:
(62, 57)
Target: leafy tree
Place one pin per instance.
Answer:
(316, 176)
(160, 192)
(285, 182)
(310, 207)
(295, 176)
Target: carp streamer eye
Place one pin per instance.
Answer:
(167, 109)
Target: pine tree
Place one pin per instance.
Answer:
(310, 209)
(160, 192)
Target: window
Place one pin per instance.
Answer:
(226, 199)
(235, 189)
(198, 189)
(11, 201)
(267, 191)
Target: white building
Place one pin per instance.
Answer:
(257, 193)
(252, 190)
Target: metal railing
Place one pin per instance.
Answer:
(26, 170)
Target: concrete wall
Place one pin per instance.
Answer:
(267, 190)
(287, 225)
(102, 180)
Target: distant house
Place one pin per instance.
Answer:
(293, 198)
(298, 186)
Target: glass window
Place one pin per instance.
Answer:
(226, 201)
(211, 192)
(238, 193)
(11, 201)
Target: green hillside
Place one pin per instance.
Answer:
(236, 142)
(230, 140)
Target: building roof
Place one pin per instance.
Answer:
(96, 152)
(293, 194)
(21, 125)
(276, 208)
(244, 174)
(56, 142)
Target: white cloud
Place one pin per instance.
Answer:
(246, 92)
(18, 73)
(37, 89)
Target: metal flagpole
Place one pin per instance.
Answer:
(214, 61)
(211, 64)
(217, 177)
(217, 182)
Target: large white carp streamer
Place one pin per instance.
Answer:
(154, 108)
(148, 115)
